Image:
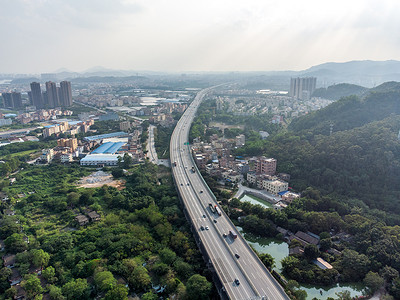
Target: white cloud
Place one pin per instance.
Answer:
(179, 35)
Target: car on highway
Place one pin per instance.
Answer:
(237, 281)
(204, 216)
(201, 192)
(224, 234)
(202, 227)
(207, 228)
(237, 255)
(215, 221)
(181, 183)
(188, 183)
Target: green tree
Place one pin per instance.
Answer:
(118, 292)
(198, 287)
(181, 291)
(355, 266)
(40, 258)
(389, 273)
(149, 296)
(311, 251)
(167, 256)
(289, 263)
(345, 295)
(11, 292)
(267, 260)
(104, 280)
(8, 226)
(127, 161)
(76, 289)
(140, 278)
(373, 282)
(325, 244)
(4, 274)
(73, 199)
(183, 269)
(55, 293)
(49, 274)
(32, 285)
(15, 243)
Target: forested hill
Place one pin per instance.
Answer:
(358, 164)
(353, 111)
(337, 91)
(361, 163)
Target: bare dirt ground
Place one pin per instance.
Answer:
(100, 178)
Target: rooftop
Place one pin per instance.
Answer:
(100, 157)
(104, 136)
(108, 148)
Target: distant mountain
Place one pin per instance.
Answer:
(365, 73)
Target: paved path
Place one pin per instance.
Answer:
(151, 150)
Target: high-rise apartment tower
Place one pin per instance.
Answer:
(302, 87)
(36, 95)
(65, 93)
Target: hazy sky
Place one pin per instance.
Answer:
(38, 36)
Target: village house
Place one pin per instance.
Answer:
(94, 216)
(9, 261)
(82, 220)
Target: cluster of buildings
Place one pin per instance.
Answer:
(12, 99)
(216, 159)
(65, 151)
(302, 87)
(297, 102)
(105, 99)
(112, 147)
(52, 97)
(69, 128)
(42, 115)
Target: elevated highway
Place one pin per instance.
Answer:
(240, 273)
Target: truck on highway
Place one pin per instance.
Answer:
(211, 207)
(232, 234)
(218, 210)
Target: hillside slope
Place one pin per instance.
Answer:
(359, 161)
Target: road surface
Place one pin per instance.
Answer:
(255, 281)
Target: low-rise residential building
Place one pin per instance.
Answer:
(265, 165)
(9, 212)
(94, 216)
(65, 158)
(252, 178)
(288, 197)
(240, 140)
(47, 155)
(305, 238)
(9, 261)
(82, 220)
(200, 160)
(280, 205)
(231, 176)
(71, 143)
(275, 186)
(125, 126)
(15, 277)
